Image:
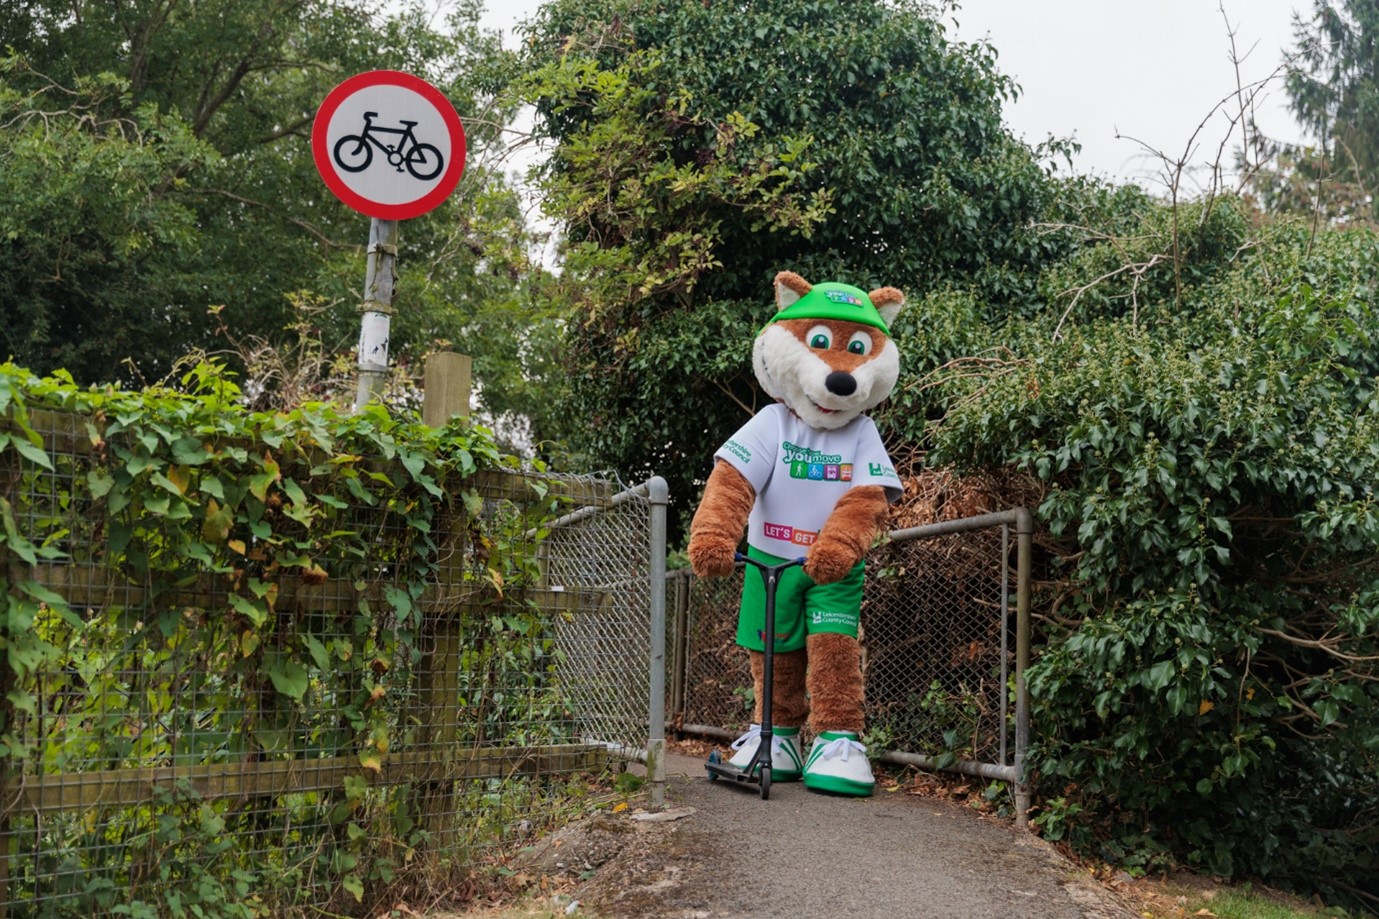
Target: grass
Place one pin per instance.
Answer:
(1183, 896)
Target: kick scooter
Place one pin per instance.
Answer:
(758, 771)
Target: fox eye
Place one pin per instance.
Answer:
(859, 343)
(819, 338)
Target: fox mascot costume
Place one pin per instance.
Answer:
(808, 476)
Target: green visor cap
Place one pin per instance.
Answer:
(834, 301)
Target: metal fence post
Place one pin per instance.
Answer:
(1024, 537)
(377, 311)
(658, 493)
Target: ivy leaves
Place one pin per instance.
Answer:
(167, 490)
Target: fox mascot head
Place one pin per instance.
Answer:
(827, 354)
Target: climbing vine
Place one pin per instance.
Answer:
(192, 584)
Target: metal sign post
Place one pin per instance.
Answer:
(390, 146)
(377, 309)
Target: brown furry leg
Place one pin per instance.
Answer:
(789, 707)
(835, 683)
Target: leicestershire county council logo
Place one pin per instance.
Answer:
(884, 472)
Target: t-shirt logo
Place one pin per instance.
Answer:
(815, 466)
(738, 450)
(821, 472)
(786, 533)
(884, 472)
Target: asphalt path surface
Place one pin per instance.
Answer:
(719, 851)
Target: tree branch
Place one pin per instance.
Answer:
(316, 233)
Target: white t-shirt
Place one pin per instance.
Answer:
(799, 474)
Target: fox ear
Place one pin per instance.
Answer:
(789, 288)
(888, 302)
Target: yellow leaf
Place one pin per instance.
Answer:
(237, 545)
(248, 643)
(218, 522)
(1206, 706)
(180, 476)
(620, 807)
(371, 761)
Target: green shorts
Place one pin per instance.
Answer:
(802, 607)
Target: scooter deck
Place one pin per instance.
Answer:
(757, 773)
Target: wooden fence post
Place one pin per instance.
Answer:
(446, 386)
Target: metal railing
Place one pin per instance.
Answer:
(944, 652)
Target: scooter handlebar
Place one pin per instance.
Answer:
(781, 566)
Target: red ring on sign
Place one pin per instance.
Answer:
(322, 155)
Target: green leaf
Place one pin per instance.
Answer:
(289, 677)
(99, 482)
(318, 651)
(256, 613)
(32, 452)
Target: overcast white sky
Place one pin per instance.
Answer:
(1152, 70)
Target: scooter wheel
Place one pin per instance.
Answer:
(715, 759)
(765, 784)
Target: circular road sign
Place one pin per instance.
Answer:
(388, 144)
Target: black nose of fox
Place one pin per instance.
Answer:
(840, 383)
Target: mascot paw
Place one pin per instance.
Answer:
(712, 558)
(828, 562)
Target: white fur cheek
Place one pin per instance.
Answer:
(776, 358)
(760, 368)
(879, 375)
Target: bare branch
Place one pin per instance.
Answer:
(1327, 646)
(314, 231)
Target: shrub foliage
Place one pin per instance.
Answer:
(259, 588)
(1206, 432)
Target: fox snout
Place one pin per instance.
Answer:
(840, 383)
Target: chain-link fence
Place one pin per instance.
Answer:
(282, 737)
(945, 638)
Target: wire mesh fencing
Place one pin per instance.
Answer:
(281, 735)
(945, 632)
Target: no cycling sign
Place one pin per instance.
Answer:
(388, 144)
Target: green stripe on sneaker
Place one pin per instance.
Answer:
(838, 785)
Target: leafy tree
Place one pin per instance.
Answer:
(1333, 89)
(698, 148)
(157, 167)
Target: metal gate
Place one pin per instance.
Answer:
(944, 652)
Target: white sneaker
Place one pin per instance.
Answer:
(838, 765)
(786, 760)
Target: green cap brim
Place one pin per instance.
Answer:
(834, 301)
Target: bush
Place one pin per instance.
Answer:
(1207, 693)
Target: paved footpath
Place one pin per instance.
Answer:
(728, 853)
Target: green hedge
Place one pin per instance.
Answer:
(1206, 434)
(191, 585)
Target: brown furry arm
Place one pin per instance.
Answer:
(718, 523)
(847, 534)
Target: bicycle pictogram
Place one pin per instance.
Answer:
(354, 152)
